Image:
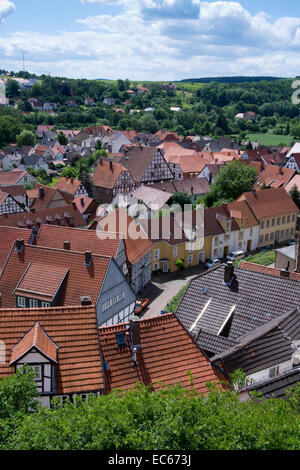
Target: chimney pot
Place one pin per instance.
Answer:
(67, 245)
(20, 244)
(85, 300)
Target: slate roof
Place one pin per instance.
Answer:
(167, 353)
(268, 345)
(278, 386)
(137, 160)
(73, 329)
(252, 300)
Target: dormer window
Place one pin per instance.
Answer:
(21, 302)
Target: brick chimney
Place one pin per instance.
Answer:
(134, 331)
(111, 166)
(228, 272)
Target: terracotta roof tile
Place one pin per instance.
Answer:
(35, 338)
(275, 176)
(166, 355)
(135, 248)
(8, 178)
(41, 281)
(8, 235)
(73, 330)
(67, 185)
(80, 240)
(106, 174)
(80, 281)
(269, 202)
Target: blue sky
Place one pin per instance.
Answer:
(151, 39)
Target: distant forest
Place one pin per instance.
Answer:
(230, 79)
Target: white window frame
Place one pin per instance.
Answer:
(33, 303)
(175, 251)
(156, 266)
(156, 254)
(21, 301)
(190, 259)
(46, 304)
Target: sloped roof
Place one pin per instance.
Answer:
(275, 176)
(136, 248)
(54, 215)
(41, 281)
(295, 181)
(107, 173)
(252, 299)
(150, 196)
(265, 346)
(269, 202)
(73, 329)
(67, 185)
(85, 204)
(80, 281)
(80, 240)
(35, 338)
(137, 160)
(8, 178)
(8, 235)
(241, 206)
(43, 196)
(277, 387)
(167, 354)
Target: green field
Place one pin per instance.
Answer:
(271, 139)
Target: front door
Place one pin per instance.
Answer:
(249, 244)
(226, 251)
(165, 266)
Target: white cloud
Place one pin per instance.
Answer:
(162, 39)
(6, 7)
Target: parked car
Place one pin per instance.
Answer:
(235, 255)
(212, 262)
(292, 242)
(140, 305)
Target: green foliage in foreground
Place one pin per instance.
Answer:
(170, 419)
(172, 306)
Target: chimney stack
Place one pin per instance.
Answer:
(228, 272)
(67, 245)
(88, 258)
(134, 332)
(101, 161)
(82, 202)
(42, 193)
(19, 245)
(111, 166)
(85, 300)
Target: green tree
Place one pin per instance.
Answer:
(295, 195)
(62, 139)
(26, 138)
(181, 199)
(12, 88)
(17, 393)
(233, 179)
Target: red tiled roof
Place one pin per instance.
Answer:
(55, 216)
(275, 176)
(135, 248)
(43, 201)
(73, 330)
(81, 280)
(85, 204)
(8, 178)
(166, 356)
(106, 174)
(269, 202)
(8, 235)
(35, 338)
(67, 185)
(80, 240)
(41, 281)
(295, 181)
(244, 210)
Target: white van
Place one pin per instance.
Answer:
(235, 255)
